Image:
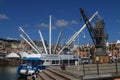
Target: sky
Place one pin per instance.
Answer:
(33, 15)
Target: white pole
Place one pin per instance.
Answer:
(29, 39)
(29, 43)
(78, 62)
(58, 39)
(50, 35)
(43, 42)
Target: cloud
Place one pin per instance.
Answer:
(3, 17)
(61, 23)
(9, 38)
(64, 23)
(43, 25)
(74, 22)
(58, 23)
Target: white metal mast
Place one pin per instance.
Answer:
(77, 33)
(50, 28)
(58, 40)
(29, 39)
(43, 42)
(28, 43)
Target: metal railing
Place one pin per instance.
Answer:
(101, 68)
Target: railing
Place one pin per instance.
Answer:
(101, 68)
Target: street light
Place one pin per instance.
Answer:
(78, 48)
(68, 53)
(118, 46)
(84, 36)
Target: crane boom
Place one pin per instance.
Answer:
(97, 34)
(88, 24)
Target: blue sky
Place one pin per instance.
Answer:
(33, 15)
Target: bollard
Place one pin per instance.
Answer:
(63, 67)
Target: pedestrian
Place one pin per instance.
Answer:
(110, 57)
(63, 66)
(114, 58)
(37, 73)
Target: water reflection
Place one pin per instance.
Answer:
(8, 73)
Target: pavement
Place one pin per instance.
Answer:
(82, 72)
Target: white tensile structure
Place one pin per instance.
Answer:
(23, 54)
(54, 59)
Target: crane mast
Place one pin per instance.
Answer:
(97, 34)
(88, 25)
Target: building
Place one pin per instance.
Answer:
(112, 49)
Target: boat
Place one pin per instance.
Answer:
(30, 66)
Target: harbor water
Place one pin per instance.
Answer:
(8, 73)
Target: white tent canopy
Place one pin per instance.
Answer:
(107, 44)
(12, 55)
(23, 54)
(118, 42)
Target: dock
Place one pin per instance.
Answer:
(103, 71)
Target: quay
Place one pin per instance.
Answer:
(101, 71)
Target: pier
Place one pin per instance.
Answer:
(101, 71)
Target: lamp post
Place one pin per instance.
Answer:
(68, 53)
(84, 36)
(68, 58)
(78, 49)
(118, 47)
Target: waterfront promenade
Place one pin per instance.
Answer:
(103, 71)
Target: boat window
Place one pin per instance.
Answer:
(35, 63)
(57, 61)
(53, 62)
(41, 62)
(47, 60)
